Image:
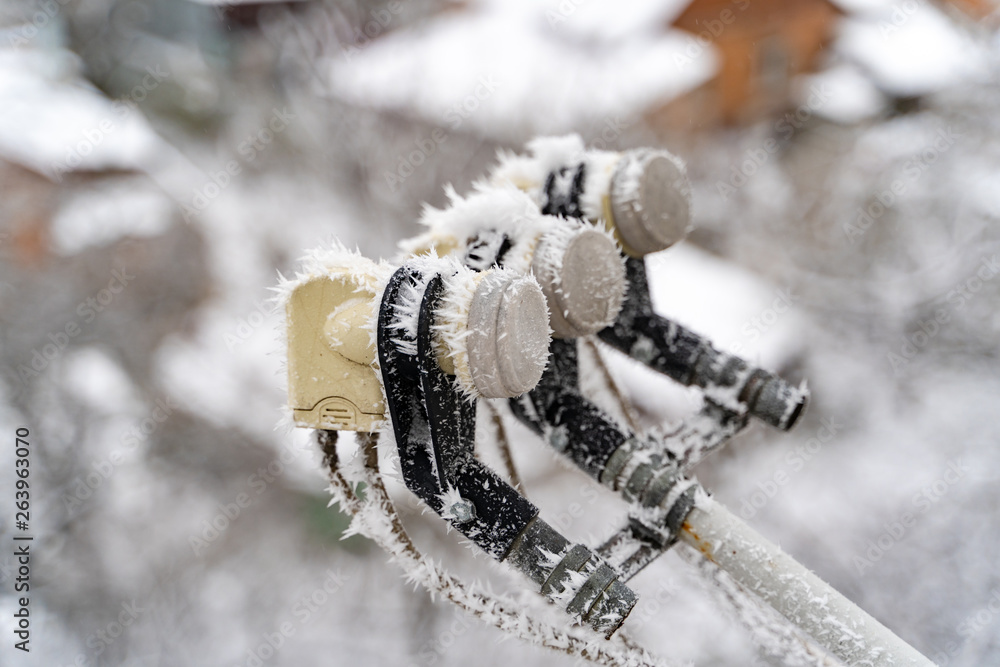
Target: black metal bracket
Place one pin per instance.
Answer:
(434, 426)
(435, 430)
(690, 359)
(650, 475)
(666, 346)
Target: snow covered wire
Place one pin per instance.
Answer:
(375, 517)
(688, 442)
(611, 385)
(503, 444)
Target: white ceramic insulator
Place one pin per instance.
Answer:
(650, 201)
(582, 276)
(509, 335)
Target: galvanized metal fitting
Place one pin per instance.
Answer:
(732, 383)
(661, 495)
(573, 576)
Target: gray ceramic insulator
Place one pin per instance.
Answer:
(509, 338)
(650, 201)
(584, 285)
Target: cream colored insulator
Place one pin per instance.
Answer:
(332, 383)
(582, 275)
(491, 331)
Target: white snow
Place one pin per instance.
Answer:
(105, 213)
(736, 309)
(609, 22)
(503, 209)
(910, 49)
(505, 73)
(97, 379)
(50, 118)
(853, 97)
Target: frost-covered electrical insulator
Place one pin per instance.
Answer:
(491, 333)
(491, 330)
(434, 423)
(508, 335)
(578, 267)
(642, 195)
(583, 278)
(650, 201)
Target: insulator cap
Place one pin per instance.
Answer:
(583, 279)
(508, 335)
(650, 201)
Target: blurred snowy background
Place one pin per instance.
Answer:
(161, 160)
